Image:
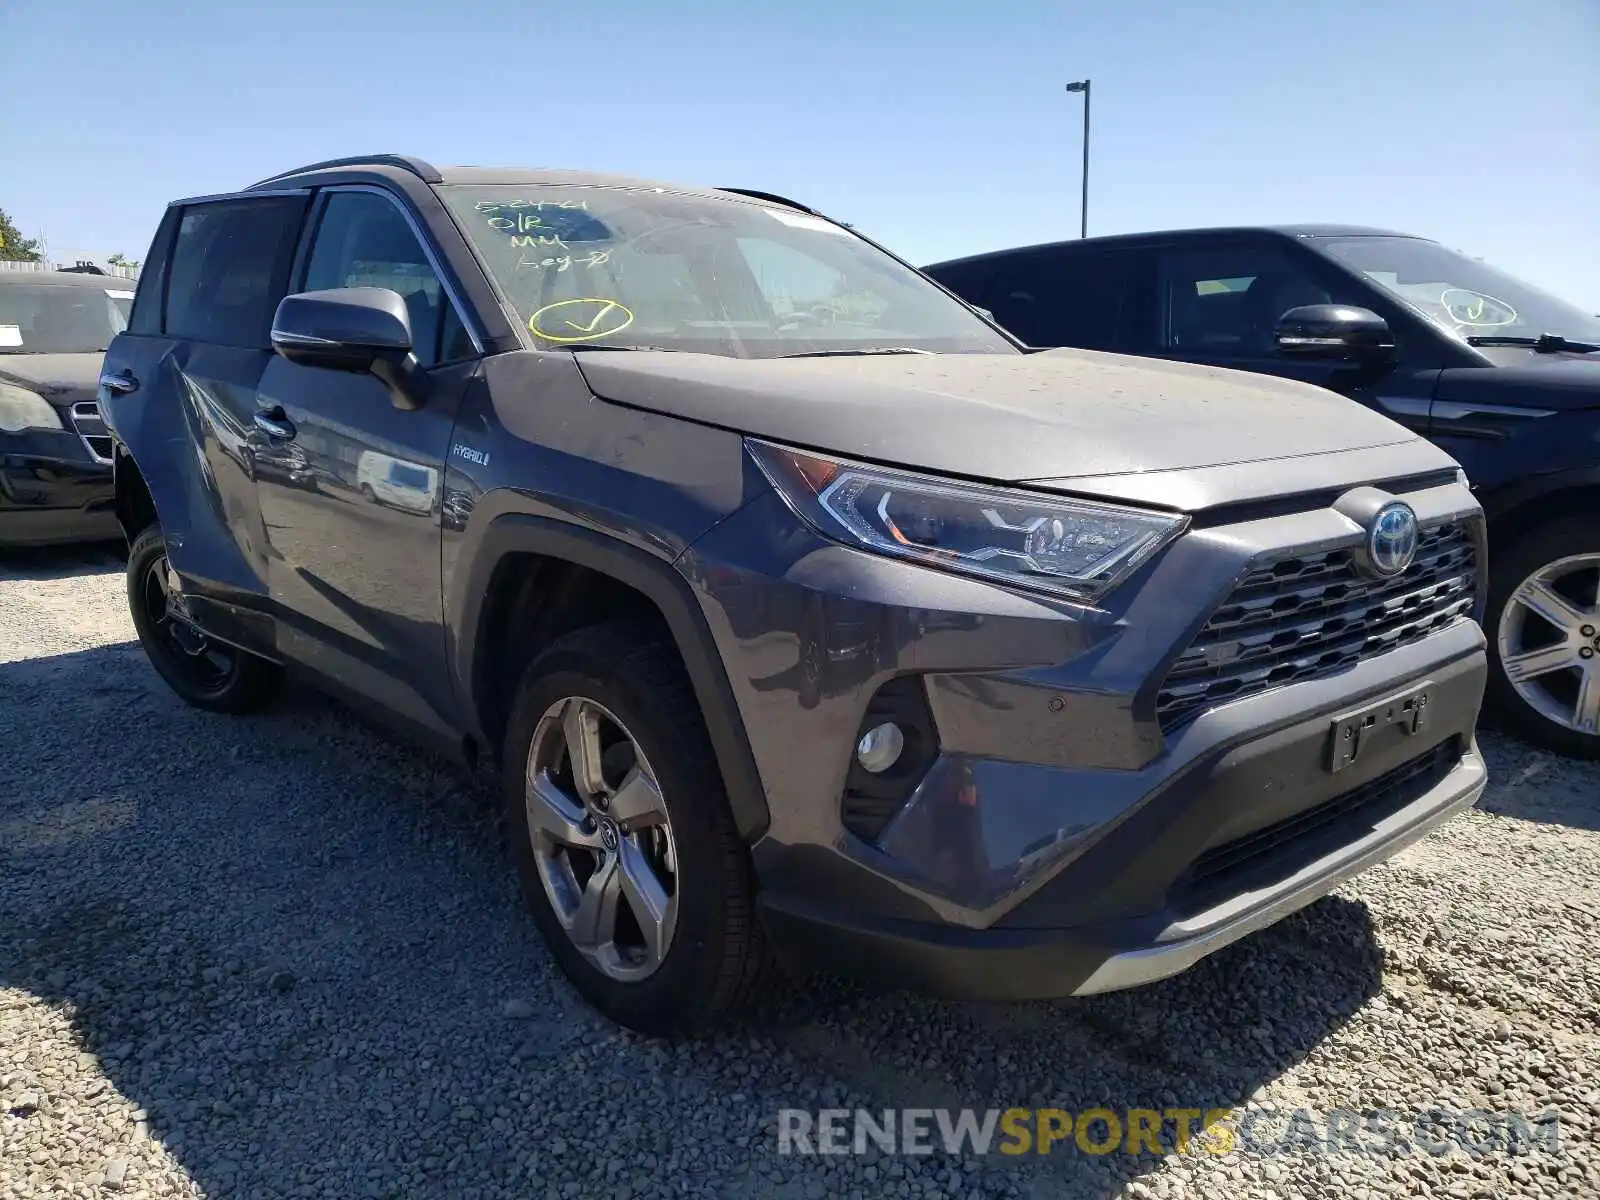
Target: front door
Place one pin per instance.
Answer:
(350, 485)
(1220, 304)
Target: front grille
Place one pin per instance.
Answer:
(1303, 616)
(1230, 868)
(90, 426)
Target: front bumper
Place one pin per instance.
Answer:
(1269, 873)
(1057, 838)
(52, 491)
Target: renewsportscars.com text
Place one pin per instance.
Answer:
(1216, 1131)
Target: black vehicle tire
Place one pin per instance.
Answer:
(205, 673)
(1560, 550)
(716, 960)
(367, 494)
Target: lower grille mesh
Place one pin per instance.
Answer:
(1218, 871)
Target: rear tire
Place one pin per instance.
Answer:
(1557, 568)
(202, 671)
(623, 686)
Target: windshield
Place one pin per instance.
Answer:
(1463, 296)
(619, 267)
(54, 318)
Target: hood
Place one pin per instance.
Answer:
(1006, 418)
(60, 378)
(1524, 379)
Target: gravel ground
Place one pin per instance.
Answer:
(283, 956)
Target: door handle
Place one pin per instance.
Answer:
(121, 383)
(275, 423)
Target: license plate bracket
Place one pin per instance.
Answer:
(1410, 710)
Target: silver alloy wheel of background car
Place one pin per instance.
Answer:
(1549, 642)
(601, 837)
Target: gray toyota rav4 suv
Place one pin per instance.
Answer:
(806, 618)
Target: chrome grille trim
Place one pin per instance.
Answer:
(1298, 616)
(91, 427)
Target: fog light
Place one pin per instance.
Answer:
(880, 747)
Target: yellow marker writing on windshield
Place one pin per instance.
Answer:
(581, 320)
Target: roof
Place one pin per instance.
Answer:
(1162, 235)
(514, 176)
(115, 283)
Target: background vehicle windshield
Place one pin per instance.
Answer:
(640, 267)
(1465, 297)
(47, 318)
(53, 318)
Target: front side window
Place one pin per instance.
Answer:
(228, 269)
(641, 267)
(363, 240)
(1227, 302)
(54, 318)
(1463, 296)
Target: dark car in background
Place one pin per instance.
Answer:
(1503, 376)
(55, 453)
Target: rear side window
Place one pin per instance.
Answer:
(969, 280)
(230, 262)
(1061, 297)
(147, 301)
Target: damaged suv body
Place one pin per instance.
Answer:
(806, 619)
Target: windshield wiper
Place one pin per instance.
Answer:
(1545, 343)
(594, 346)
(866, 350)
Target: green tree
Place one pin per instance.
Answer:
(13, 246)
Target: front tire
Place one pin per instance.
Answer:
(624, 841)
(204, 672)
(1543, 623)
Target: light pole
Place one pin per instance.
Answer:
(1082, 85)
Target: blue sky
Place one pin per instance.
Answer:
(937, 127)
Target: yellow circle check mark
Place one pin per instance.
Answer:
(581, 320)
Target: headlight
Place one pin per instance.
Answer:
(1072, 548)
(21, 409)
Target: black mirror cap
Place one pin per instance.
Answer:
(1333, 331)
(346, 329)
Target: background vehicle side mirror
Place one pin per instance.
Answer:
(1333, 331)
(356, 330)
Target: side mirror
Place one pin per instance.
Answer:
(358, 330)
(1333, 331)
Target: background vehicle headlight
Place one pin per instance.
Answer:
(1072, 548)
(21, 409)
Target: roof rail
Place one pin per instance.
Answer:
(772, 198)
(425, 171)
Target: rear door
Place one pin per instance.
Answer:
(351, 504)
(1219, 302)
(178, 389)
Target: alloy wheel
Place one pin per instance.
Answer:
(1549, 642)
(209, 665)
(601, 837)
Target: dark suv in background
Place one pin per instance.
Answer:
(1503, 376)
(55, 453)
(804, 616)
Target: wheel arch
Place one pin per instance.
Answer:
(1540, 500)
(135, 507)
(519, 553)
